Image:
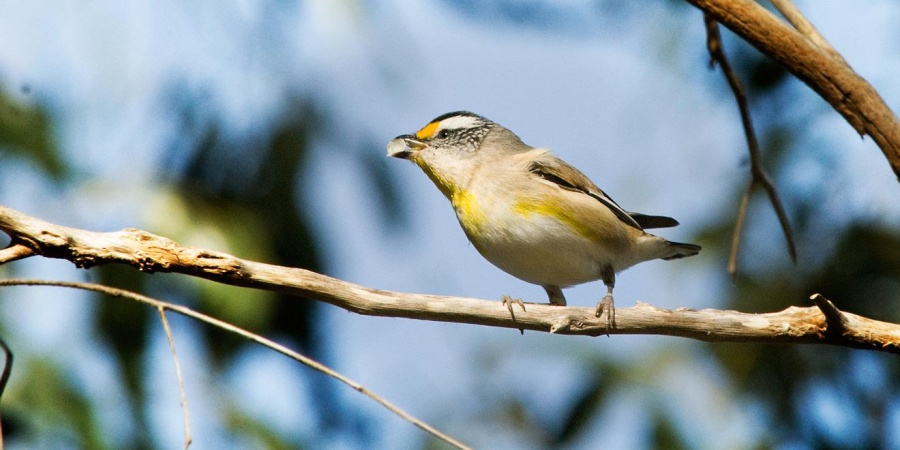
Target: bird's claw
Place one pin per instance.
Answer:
(606, 305)
(508, 302)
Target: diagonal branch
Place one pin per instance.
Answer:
(759, 177)
(848, 93)
(185, 311)
(151, 253)
(181, 390)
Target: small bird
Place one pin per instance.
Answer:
(530, 213)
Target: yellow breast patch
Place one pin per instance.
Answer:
(468, 210)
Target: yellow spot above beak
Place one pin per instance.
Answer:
(427, 131)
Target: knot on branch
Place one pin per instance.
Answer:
(569, 323)
(836, 323)
(83, 261)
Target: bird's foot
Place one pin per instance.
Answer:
(508, 302)
(607, 306)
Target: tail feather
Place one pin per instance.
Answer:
(679, 250)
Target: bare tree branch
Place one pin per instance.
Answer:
(185, 311)
(800, 22)
(847, 92)
(758, 174)
(14, 251)
(151, 253)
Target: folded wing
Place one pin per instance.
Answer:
(555, 170)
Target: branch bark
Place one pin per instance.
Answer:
(150, 253)
(835, 81)
(801, 24)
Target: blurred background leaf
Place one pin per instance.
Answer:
(26, 132)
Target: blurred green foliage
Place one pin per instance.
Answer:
(59, 414)
(26, 132)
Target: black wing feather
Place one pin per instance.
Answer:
(647, 221)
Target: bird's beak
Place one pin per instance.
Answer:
(405, 146)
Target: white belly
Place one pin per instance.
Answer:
(541, 250)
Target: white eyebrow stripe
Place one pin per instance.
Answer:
(455, 122)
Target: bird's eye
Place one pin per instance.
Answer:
(443, 134)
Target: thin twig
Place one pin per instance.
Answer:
(736, 236)
(758, 173)
(763, 179)
(805, 27)
(181, 390)
(248, 335)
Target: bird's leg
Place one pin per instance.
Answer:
(556, 295)
(606, 304)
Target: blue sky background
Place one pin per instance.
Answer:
(622, 93)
